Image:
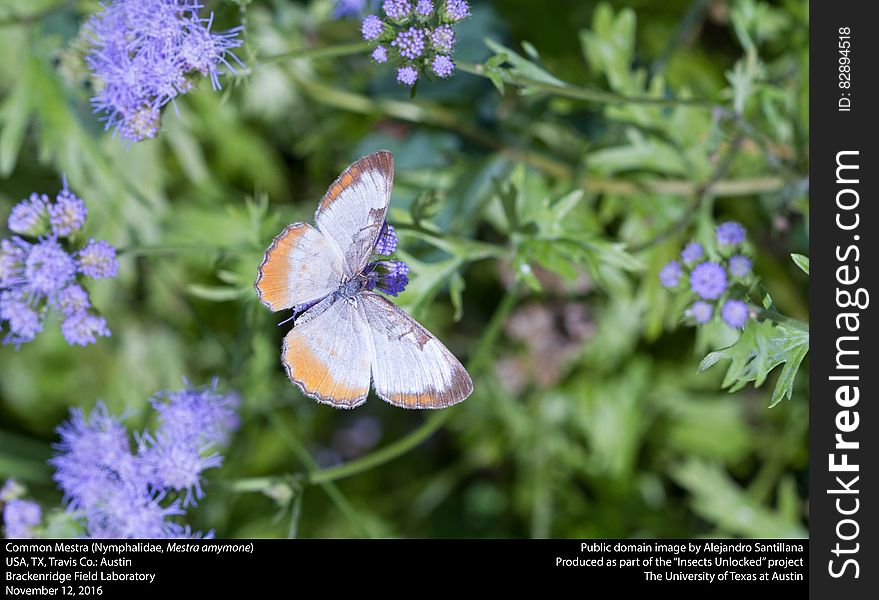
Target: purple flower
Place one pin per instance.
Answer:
(19, 517)
(144, 52)
(82, 328)
(48, 268)
(67, 215)
(708, 280)
(11, 490)
(457, 10)
(424, 8)
(410, 43)
(73, 300)
(388, 276)
(380, 54)
(98, 260)
(701, 312)
(176, 463)
(397, 9)
(125, 494)
(204, 51)
(443, 66)
(37, 277)
(12, 255)
(30, 216)
(735, 313)
(347, 8)
(23, 321)
(443, 38)
(670, 275)
(92, 455)
(372, 28)
(739, 266)
(386, 243)
(691, 252)
(407, 75)
(201, 415)
(730, 234)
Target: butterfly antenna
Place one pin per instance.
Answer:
(288, 319)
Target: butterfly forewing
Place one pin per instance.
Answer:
(328, 355)
(300, 266)
(352, 212)
(410, 368)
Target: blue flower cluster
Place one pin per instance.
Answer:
(21, 518)
(711, 280)
(120, 493)
(41, 270)
(417, 36)
(387, 276)
(145, 53)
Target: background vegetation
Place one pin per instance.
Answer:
(538, 194)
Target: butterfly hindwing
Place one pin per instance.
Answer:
(410, 368)
(300, 266)
(328, 354)
(353, 210)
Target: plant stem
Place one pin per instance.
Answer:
(329, 488)
(705, 190)
(324, 52)
(435, 420)
(431, 114)
(580, 93)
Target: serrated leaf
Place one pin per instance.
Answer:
(524, 67)
(762, 346)
(802, 262)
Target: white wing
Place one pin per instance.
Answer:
(352, 212)
(410, 367)
(300, 266)
(328, 353)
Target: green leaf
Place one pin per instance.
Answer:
(762, 346)
(456, 290)
(14, 116)
(721, 501)
(524, 67)
(802, 262)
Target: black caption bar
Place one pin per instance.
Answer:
(842, 379)
(116, 568)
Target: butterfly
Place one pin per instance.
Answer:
(347, 335)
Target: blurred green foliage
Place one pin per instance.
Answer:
(537, 195)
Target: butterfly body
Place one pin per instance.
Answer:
(348, 338)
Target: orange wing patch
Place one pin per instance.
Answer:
(344, 180)
(328, 357)
(301, 265)
(273, 285)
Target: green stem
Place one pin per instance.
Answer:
(295, 514)
(324, 52)
(434, 421)
(439, 116)
(329, 488)
(580, 93)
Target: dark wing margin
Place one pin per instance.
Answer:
(352, 212)
(411, 368)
